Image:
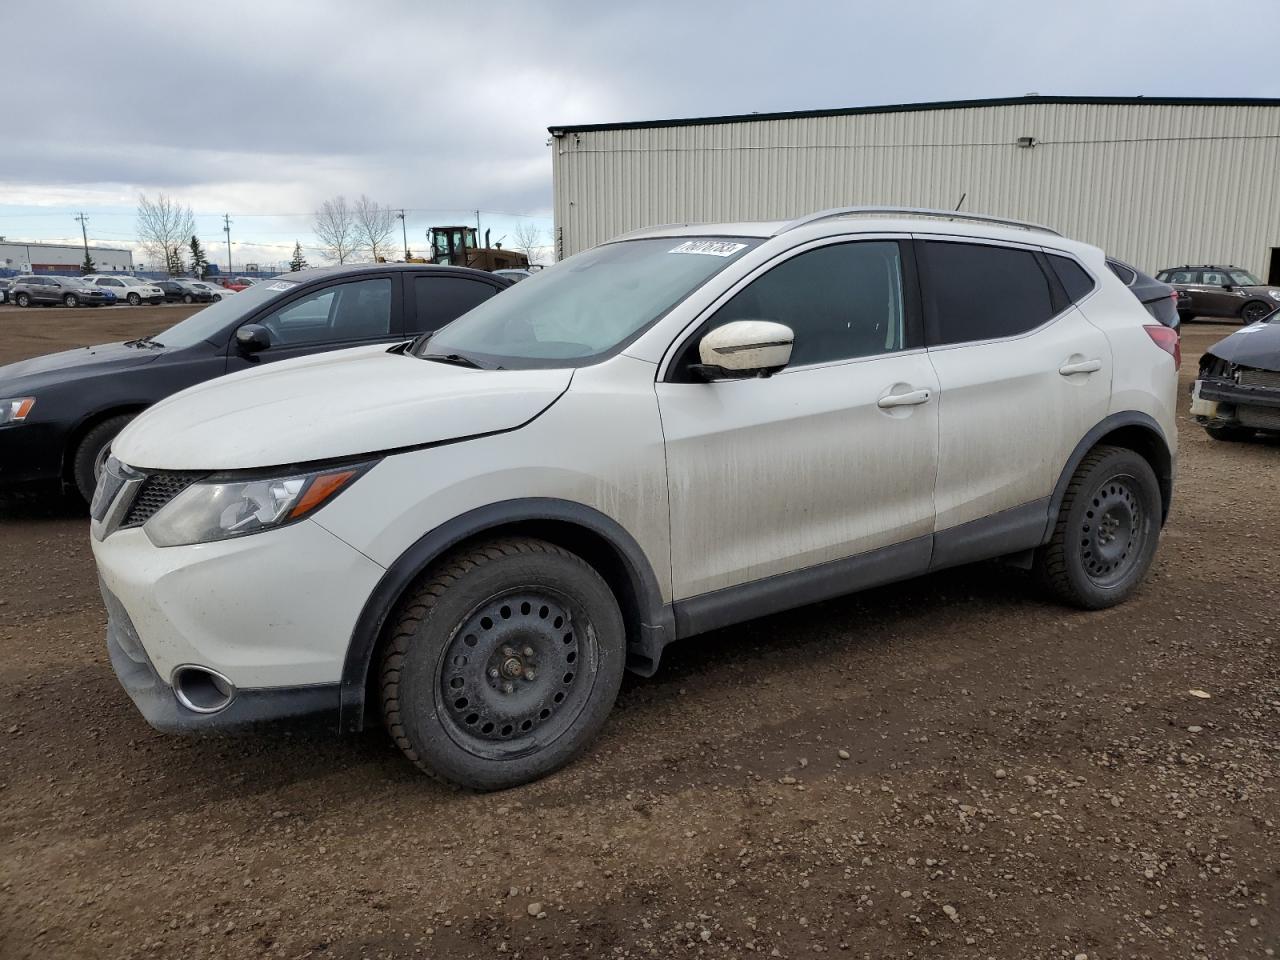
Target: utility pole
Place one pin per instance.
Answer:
(226, 228)
(404, 233)
(84, 233)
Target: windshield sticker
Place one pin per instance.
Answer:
(711, 248)
(282, 285)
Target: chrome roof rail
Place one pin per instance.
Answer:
(911, 212)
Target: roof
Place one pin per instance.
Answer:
(915, 107)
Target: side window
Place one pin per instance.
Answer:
(1073, 277)
(1215, 278)
(345, 311)
(840, 301)
(1127, 276)
(1182, 276)
(439, 300)
(980, 292)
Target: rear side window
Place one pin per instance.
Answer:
(1126, 275)
(1075, 281)
(978, 292)
(439, 300)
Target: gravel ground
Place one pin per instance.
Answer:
(951, 767)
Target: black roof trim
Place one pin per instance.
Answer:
(913, 107)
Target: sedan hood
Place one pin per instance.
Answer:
(87, 359)
(348, 403)
(1257, 346)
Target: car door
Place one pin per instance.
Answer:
(831, 458)
(435, 298)
(350, 312)
(1023, 376)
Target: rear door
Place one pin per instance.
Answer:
(352, 312)
(1023, 376)
(434, 299)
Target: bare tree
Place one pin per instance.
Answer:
(164, 225)
(374, 226)
(528, 239)
(335, 226)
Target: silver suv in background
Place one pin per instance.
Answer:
(31, 291)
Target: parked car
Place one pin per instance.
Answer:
(128, 288)
(235, 286)
(183, 291)
(1237, 394)
(669, 433)
(1216, 291)
(1160, 299)
(83, 398)
(48, 290)
(215, 291)
(5, 284)
(514, 274)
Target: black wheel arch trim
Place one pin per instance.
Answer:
(1117, 421)
(655, 627)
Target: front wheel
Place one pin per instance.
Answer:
(70, 300)
(92, 451)
(1255, 311)
(502, 664)
(133, 299)
(22, 300)
(1107, 531)
(217, 298)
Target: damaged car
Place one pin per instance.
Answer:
(1237, 394)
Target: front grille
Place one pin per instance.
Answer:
(1259, 378)
(157, 490)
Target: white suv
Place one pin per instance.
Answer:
(128, 288)
(687, 427)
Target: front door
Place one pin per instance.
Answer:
(351, 313)
(834, 456)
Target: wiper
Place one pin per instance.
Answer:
(144, 342)
(457, 359)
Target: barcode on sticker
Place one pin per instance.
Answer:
(712, 248)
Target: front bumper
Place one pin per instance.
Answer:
(30, 451)
(1223, 402)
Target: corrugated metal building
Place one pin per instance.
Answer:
(1156, 181)
(62, 258)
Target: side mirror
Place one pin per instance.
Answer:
(744, 348)
(253, 338)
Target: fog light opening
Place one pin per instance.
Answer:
(201, 689)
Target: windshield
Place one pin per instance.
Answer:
(1243, 278)
(587, 307)
(209, 322)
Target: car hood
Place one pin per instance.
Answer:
(1257, 346)
(347, 403)
(83, 359)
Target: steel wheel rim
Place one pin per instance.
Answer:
(516, 673)
(1112, 531)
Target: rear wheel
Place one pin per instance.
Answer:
(502, 664)
(1230, 434)
(1255, 311)
(1107, 531)
(133, 299)
(92, 451)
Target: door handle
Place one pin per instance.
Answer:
(903, 399)
(1081, 366)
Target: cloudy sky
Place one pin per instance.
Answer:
(265, 109)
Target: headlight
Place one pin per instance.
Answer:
(1274, 294)
(221, 508)
(15, 410)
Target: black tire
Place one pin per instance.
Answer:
(91, 452)
(1107, 531)
(1230, 434)
(1255, 310)
(70, 300)
(217, 298)
(22, 300)
(502, 664)
(188, 298)
(133, 299)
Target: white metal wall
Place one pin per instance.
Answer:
(1156, 185)
(20, 256)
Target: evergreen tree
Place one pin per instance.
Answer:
(88, 266)
(199, 262)
(299, 262)
(175, 265)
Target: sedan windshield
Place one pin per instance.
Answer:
(209, 322)
(584, 308)
(1243, 278)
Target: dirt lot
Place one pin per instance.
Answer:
(951, 767)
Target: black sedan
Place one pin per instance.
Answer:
(1237, 394)
(59, 413)
(179, 291)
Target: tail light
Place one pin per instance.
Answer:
(1167, 340)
